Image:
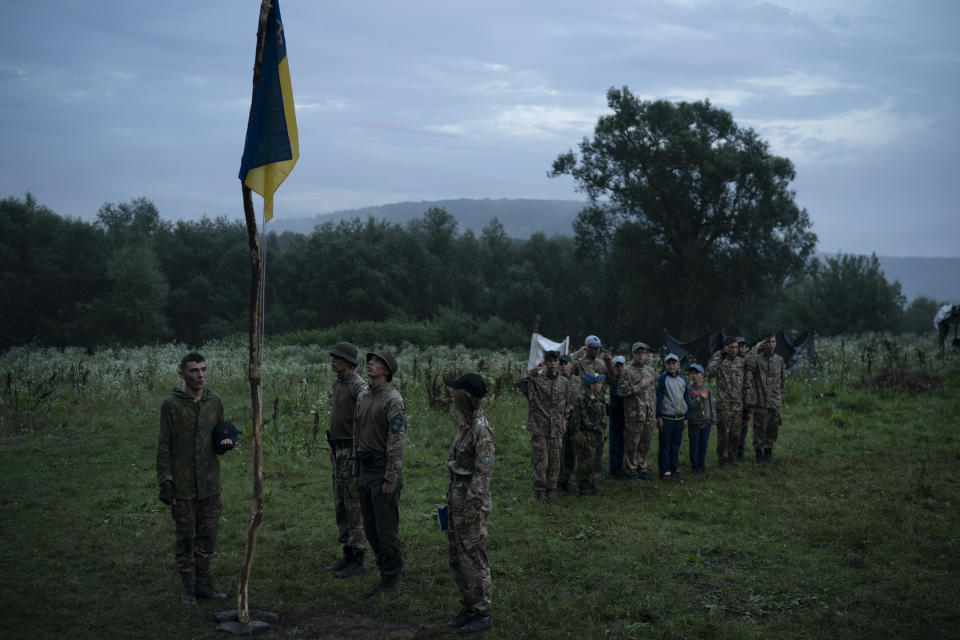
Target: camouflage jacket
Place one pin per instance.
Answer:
(185, 453)
(728, 373)
(589, 415)
(574, 391)
(765, 381)
(632, 389)
(584, 364)
(380, 428)
(472, 454)
(547, 399)
(345, 391)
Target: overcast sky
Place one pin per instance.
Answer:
(109, 100)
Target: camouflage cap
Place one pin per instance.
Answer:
(637, 346)
(346, 351)
(565, 357)
(387, 358)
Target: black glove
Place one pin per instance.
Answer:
(166, 492)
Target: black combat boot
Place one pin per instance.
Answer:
(204, 585)
(341, 563)
(768, 454)
(187, 596)
(760, 457)
(354, 565)
(387, 586)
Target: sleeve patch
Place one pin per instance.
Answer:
(486, 460)
(396, 423)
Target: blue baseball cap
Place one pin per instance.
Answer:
(592, 377)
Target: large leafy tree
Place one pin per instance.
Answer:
(847, 294)
(694, 213)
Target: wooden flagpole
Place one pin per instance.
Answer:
(256, 395)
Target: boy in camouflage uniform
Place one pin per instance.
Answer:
(568, 452)
(745, 416)
(766, 383)
(188, 471)
(379, 439)
(586, 360)
(638, 390)
(727, 367)
(468, 504)
(346, 499)
(588, 423)
(546, 393)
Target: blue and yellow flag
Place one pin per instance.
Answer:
(272, 147)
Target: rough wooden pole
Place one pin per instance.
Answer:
(256, 396)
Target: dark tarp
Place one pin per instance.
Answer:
(792, 350)
(700, 349)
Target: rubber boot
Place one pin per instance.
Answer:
(187, 595)
(204, 585)
(354, 565)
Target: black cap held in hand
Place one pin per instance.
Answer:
(225, 431)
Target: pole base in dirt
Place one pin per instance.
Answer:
(229, 621)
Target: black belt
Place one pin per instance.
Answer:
(460, 477)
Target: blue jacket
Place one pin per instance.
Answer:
(673, 397)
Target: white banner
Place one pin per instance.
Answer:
(540, 345)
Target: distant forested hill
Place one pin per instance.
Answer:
(520, 218)
(937, 278)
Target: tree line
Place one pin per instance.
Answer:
(132, 278)
(690, 227)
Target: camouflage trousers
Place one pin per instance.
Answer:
(728, 433)
(545, 463)
(196, 522)
(568, 458)
(766, 426)
(467, 551)
(639, 421)
(589, 459)
(346, 500)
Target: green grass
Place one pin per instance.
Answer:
(854, 534)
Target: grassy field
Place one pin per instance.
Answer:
(854, 534)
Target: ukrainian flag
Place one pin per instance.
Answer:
(272, 147)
